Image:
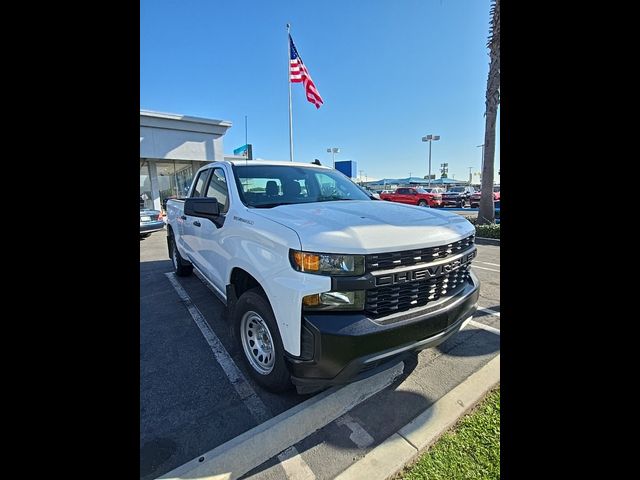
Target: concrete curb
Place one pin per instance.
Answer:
(243, 453)
(406, 444)
(488, 241)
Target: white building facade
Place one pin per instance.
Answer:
(172, 149)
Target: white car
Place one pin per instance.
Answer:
(322, 284)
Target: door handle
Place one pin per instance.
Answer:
(183, 217)
(196, 223)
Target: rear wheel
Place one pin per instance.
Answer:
(422, 203)
(260, 342)
(181, 266)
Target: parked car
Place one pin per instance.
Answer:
(414, 196)
(318, 290)
(496, 206)
(474, 200)
(150, 221)
(368, 191)
(457, 196)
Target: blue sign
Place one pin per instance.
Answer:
(348, 167)
(241, 149)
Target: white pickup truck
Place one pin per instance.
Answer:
(323, 284)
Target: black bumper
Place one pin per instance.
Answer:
(346, 347)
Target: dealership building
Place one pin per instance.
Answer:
(172, 149)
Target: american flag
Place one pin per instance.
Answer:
(299, 73)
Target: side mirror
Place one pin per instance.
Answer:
(202, 207)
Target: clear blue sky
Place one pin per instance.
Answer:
(389, 72)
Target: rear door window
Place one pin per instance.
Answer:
(200, 182)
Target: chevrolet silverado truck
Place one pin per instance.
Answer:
(413, 196)
(457, 196)
(474, 200)
(322, 284)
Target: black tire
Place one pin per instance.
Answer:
(182, 267)
(422, 203)
(144, 235)
(253, 306)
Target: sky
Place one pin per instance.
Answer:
(389, 72)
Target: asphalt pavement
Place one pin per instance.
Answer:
(188, 405)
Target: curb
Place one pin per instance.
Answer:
(489, 241)
(250, 449)
(401, 448)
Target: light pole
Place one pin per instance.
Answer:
(430, 138)
(482, 161)
(333, 152)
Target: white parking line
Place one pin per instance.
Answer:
(248, 395)
(485, 268)
(359, 435)
(489, 311)
(484, 327)
(294, 466)
(487, 263)
(258, 409)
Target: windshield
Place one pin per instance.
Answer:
(456, 189)
(422, 190)
(266, 186)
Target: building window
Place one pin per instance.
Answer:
(146, 200)
(174, 179)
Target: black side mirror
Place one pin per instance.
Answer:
(202, 207)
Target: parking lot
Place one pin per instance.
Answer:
(196, 395)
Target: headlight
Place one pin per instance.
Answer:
(334, 301)
(327, 263)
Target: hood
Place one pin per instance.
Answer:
(363, 226)
(453, 194)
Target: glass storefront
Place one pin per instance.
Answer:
(174, 179)
(146, 199)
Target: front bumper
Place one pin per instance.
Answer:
(349, 346)
(452, 201)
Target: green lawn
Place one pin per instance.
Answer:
(470, 451)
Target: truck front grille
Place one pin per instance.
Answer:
(390, 299)
(383, 261)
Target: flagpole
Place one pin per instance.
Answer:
(289, 80)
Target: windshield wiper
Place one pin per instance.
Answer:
(331, 199)
(274, 204)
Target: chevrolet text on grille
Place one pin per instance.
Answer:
(423, 272)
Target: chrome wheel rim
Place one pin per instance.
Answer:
(257, 343)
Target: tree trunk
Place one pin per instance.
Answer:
(486, 214)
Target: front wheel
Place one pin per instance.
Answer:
(259, 338)
(422, 203)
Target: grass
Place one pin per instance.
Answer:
(470, 451)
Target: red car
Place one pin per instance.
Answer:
(474, 200)
(413, 196)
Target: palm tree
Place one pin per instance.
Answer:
(486, 212)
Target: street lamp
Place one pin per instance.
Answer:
(430, 138)
(333, 152)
